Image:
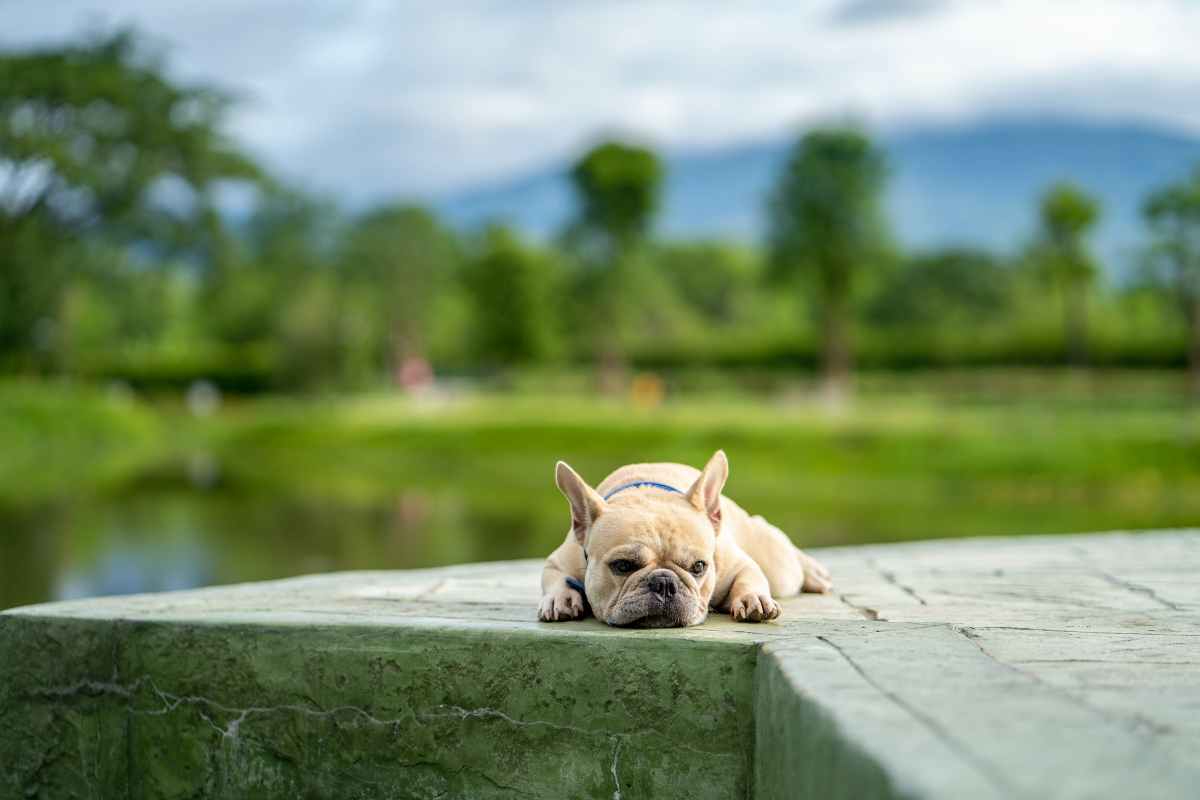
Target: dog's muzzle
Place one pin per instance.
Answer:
(661, 601)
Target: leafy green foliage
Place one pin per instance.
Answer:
(1067, 215)
(95, 144)
(1062, 257)
(824, 215)
(825, 224)
(513, 290)
(286, 240)
(618, 188)
(118, 261)
(89, 132)
(716, 279)
(1173, 215)
(951, 287)
(394, 261)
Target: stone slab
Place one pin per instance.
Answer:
(1028, 667)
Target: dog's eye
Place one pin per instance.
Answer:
(698, 568)
(623, 566)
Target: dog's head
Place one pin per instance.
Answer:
(649, 554)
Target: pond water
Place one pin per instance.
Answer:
(182, 538)
(179, 536)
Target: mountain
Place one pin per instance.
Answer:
(974, 184)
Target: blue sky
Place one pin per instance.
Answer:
(376, 98)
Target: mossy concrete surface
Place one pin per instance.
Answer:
(1037, 667)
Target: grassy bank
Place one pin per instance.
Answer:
(912, 458)
(60, 438)
(105, 492)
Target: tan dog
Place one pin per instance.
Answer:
(655, 545)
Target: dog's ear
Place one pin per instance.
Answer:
(705, 493)
(586, 505)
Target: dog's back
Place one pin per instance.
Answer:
(766, 544)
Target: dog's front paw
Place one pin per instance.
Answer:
(562, 605)
(752, 607)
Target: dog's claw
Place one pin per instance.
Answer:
(565, 604)
(754, 608)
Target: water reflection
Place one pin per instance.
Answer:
(167, 530)
(175, 538)
(131, 569)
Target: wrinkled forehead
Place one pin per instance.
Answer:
(665, 531)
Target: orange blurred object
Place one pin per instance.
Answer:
(647, 390)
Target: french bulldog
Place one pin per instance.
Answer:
(657, 545)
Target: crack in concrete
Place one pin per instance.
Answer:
(92, 688)
(1079, 632)
(231, 731)
(1136, 723)
(1130, 586)
(865, 611)
(982, 767)
(171, 702)
(617, 739)
(890, 577)
(615, 763)
(476, 713)
(437, 587)
(1145, 591)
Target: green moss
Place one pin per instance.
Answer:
(168, 710)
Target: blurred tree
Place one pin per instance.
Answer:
(292, 233)
(512, 290)
(954, 286)
(618, 187)
(110, 307)
(826, 226)
(289, 237)
(308, 333)
(1173, 215)
(395, 261)
(714, 278)
(1061, 254)
(95, 142)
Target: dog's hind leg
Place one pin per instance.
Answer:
(788, 568)
(816, 575)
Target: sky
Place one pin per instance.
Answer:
(378, 98)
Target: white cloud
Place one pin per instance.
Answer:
(380, 97)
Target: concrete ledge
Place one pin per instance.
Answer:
(1036, 667)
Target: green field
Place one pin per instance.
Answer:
(270, 487)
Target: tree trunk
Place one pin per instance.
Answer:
(837, 353)
(1075, 325)
(611, 371)
(612, 367)
(611, 363)
(1194, 348)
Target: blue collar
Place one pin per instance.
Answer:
(640, 484)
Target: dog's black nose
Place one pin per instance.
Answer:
(662, 584)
